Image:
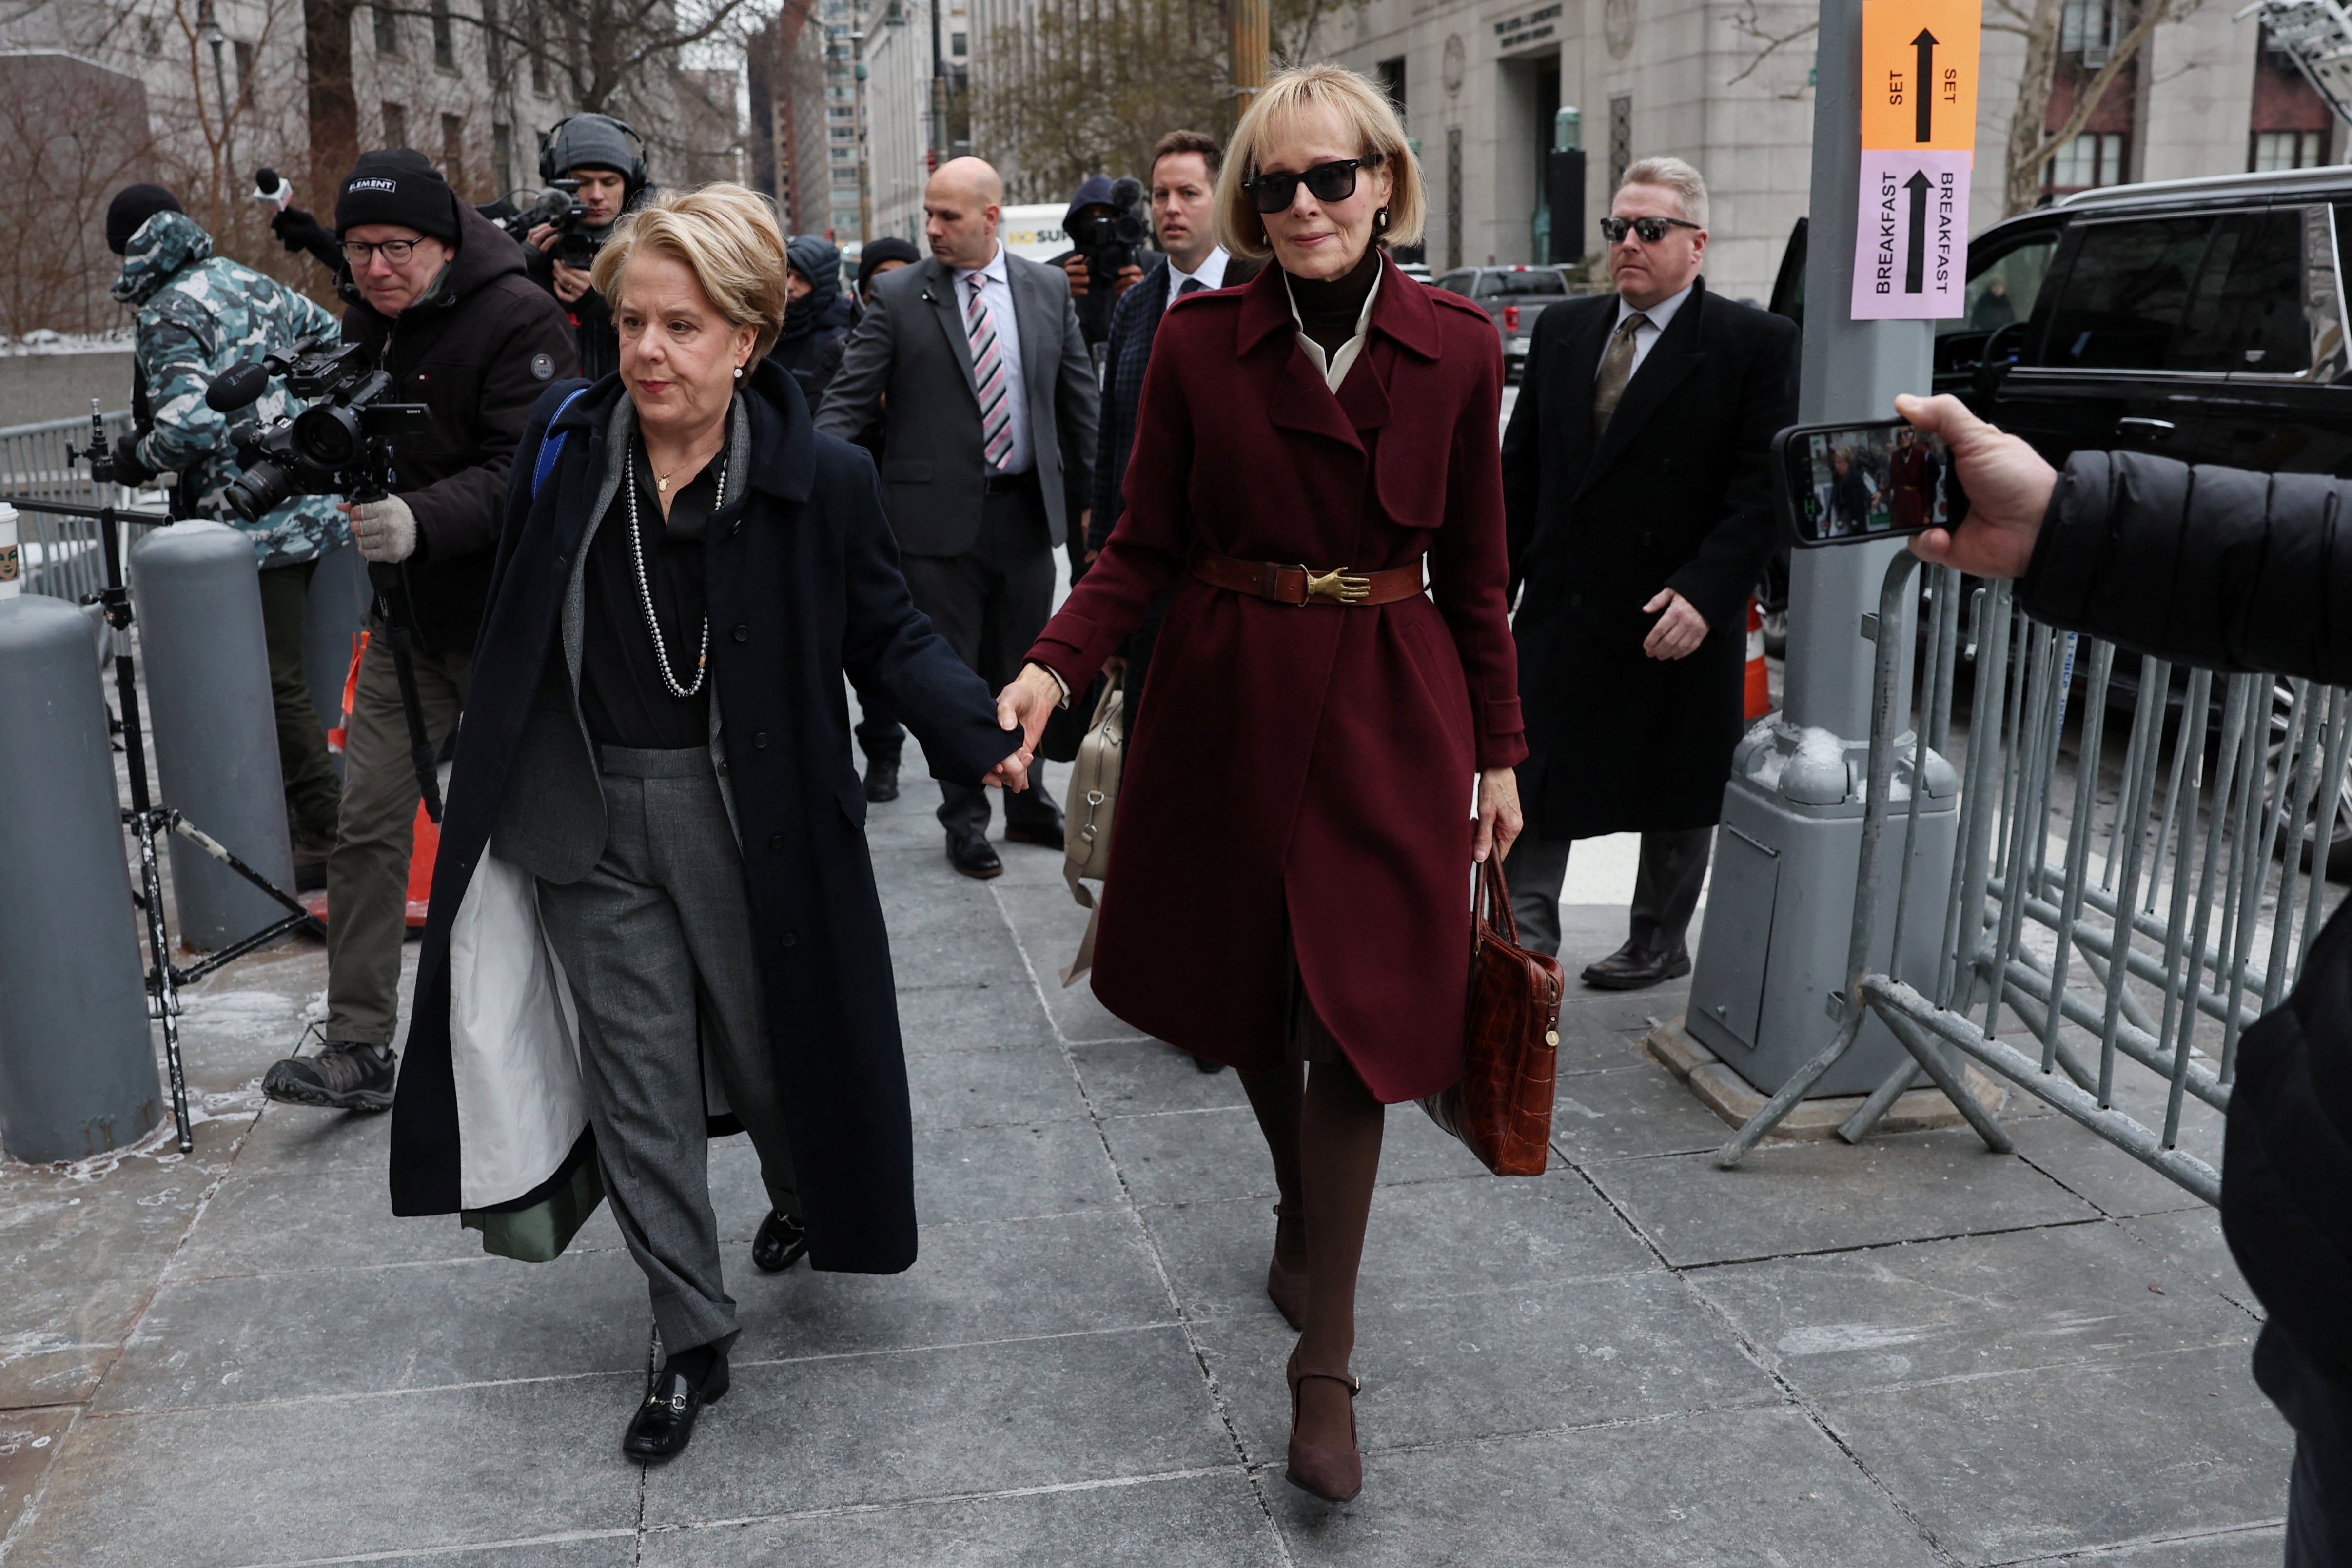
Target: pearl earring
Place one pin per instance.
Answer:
(738, 373)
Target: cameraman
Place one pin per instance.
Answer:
(199, 316)
(2234, 571)
(606, 156)
(1095, 288)
(438, 294)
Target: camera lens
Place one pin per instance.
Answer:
(328, 437)
(260, 489)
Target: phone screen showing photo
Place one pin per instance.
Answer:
(1854, 482)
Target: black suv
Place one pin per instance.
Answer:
(1513, 297)
(2200, 319)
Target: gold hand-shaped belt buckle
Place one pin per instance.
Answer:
(1337, 586)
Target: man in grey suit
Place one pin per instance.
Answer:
(987, 463)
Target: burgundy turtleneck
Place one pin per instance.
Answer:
(1328, 311)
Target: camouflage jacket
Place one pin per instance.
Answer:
(199, 315)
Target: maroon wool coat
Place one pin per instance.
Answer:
(1310, 767)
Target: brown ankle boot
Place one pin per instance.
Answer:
(1287, 1286)
(1335, 1475)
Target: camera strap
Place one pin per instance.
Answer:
(551, 444)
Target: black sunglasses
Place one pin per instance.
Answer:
(1332, 181)
(1651, 229)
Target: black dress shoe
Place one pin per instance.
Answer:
(663, 1424)
(974, 855)
(782, 1242)
(1634, 967)
(881, 779)
(1205, 1064)
(1048, 832)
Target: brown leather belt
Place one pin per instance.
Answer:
(1298, 585)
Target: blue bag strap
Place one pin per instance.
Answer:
(551, 444)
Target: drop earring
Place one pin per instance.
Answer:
(1380, 221)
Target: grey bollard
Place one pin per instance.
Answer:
(196, 591)
(77, 1064)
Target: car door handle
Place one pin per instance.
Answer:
(2145, 427)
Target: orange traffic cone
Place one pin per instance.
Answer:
(1759, 683)
(428, 834)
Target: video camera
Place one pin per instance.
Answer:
(559, 205)
(1113, 241)
(340, 444)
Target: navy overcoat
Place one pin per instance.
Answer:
(803, 588)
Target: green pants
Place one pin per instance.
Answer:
(367, 875)
(313, 794)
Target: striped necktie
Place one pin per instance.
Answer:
(988, 378)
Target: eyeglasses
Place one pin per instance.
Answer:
(359, 252)
(1332, 181)
(1651, 229)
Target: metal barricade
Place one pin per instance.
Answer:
(60, 555)
(2135, 918)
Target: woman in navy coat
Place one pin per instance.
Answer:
(653, 874)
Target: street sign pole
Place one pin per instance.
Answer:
(1780, 908)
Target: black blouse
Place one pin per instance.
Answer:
(622, 695)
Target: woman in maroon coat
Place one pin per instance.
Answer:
(1295, 836)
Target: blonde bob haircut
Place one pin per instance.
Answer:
(1362, 113)
(726, 235)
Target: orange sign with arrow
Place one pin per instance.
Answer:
(1918, 129)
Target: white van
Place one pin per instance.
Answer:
(1033, 231)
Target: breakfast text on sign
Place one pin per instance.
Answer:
(1918, 140)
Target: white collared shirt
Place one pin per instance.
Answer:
(997, 289)
(1212, 274)
(1646, 338)
(1335, 369)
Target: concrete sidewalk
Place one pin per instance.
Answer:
(1909, 1352)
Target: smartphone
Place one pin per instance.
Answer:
(1881, 479)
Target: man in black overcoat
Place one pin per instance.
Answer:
(1636, 475)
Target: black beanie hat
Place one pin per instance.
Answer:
(132, 207)
(889, 248)
(397, 187)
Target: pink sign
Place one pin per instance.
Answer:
(1911, 236)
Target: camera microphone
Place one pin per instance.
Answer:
(236, 387)
(270, 185)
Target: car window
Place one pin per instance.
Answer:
(2126, 293)
(1456, 283)
(2247, 315)
(1535, 280)
(2003, 287)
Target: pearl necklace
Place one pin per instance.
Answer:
(645, 588)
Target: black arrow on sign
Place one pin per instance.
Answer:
(1924, 94)
(1915, 269)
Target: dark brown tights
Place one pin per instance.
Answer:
(1325, 1137)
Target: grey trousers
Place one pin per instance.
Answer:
(1666, 887)
(657, 941)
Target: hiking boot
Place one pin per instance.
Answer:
(344, 1076)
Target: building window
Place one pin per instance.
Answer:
(2276, 150)
(453, 150)
(387, 29)
(244, 71)
(1391, 79)
(150, 36)
(540, 77)
(956, 42)
(2093, 158)
(494, 45)
(502, 156)
(395, 125)
(1621, 138)
(445, 44)
(2087, 27)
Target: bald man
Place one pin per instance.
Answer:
(987, 460)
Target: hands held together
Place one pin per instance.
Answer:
(1024, 706)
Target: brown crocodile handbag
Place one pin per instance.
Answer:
(1510, 1041)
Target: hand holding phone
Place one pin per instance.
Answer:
(1878, 479)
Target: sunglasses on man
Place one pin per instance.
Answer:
(1651, 229)
(1332, 181)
